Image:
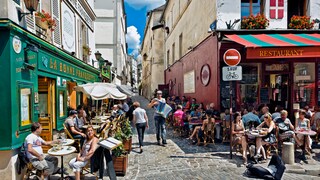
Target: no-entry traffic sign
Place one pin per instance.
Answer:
(232, 57)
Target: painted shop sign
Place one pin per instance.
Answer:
(57, 66)
(289, 52)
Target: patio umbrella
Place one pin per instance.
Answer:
(100, 91)
(125, 89)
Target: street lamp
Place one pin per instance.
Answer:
(103, 64)
(31, 5)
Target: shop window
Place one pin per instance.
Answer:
(249, 84)
(251, 7)
(25, 103)
(304, 85)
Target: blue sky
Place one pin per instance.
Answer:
(136, 20)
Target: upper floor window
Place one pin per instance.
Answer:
(276, 9)
(297, 7)
(251, 7)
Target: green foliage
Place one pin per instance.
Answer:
(126, 130)
(119, 150)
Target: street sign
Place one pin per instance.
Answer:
(232, 73)
(232, 57)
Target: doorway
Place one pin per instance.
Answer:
(47, 109)
(279, 94)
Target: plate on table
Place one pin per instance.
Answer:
(255, 133)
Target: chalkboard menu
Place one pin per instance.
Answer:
(225, 95)
(264, 95)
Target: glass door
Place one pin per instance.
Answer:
(278, 90)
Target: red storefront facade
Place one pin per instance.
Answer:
(286, 73)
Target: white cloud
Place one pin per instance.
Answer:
(150, 4)
(133, 39)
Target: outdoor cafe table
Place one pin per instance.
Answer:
(101, 117)
(305, 133)
(93, 126)
(67, 142)
(64, 151)
(98, 121)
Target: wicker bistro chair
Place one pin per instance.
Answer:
(178, 126)
(208, 135)
(77, 141)
(225, 131)
(32, 171)
(273, 147)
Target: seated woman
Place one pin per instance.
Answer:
(207, 125)
(178, 117)
(238, 137)
(269, 126)
(303, 123)
(315, 122)
(88, 148)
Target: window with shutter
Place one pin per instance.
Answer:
(29, 20)
(276, 9)
(56, 16)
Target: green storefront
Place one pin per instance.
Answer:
(36, 85)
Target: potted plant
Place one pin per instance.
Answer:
(126, 135)
(254, 22)
(301, 22)
(44, 20)
(120, 156)
(86, 50)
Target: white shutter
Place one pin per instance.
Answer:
(30, 22)
(56, 16)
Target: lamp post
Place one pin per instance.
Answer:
(31, 5)
(103, 63)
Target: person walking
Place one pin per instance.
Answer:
(140, 120)
(158, 119)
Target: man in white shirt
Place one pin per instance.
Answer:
(33, 142)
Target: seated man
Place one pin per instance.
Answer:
(33, 142)
(286, 129)
(70, 124)
(250, 117)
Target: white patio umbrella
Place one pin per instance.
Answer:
(100, 91)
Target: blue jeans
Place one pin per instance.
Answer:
(160, 128)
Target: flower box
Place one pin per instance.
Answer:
(120, 164)
(45, 21)
(254, 22)
(301, 22)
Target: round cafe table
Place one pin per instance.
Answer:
(65, 150)
(67, 142)
(305, 134)
(98, 121)
(94, 126)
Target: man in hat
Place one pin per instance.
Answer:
(70, 124)
(158, 119)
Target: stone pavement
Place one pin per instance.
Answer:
(182, 160)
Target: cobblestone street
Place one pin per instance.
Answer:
(181, 160)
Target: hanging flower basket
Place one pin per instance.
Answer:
(45, 21)
(42, 24)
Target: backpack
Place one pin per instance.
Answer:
(22, 159)
(274, 170)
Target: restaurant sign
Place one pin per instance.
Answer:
(58, 66)
(288, 52)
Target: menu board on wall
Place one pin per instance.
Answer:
(264, 95)
(189, 82)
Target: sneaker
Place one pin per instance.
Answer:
(164, 142)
